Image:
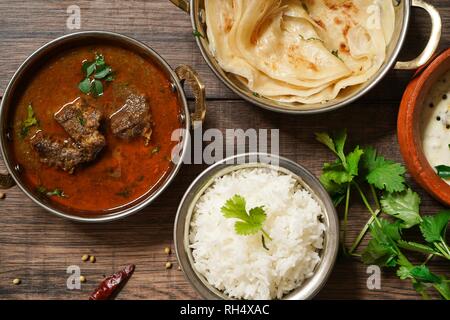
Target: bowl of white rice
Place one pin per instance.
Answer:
(256, 227)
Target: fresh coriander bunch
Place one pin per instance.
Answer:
(364, 169)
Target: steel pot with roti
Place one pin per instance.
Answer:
(305, 56)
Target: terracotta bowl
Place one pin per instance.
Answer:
(409, 130)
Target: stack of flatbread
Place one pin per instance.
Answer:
(304, 51)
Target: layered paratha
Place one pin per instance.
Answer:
(304, 51)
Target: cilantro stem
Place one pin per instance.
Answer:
(363, 232)
(442, 247)
(266, 234)
(264, 242)
(428, 259)
(435, 253)
(375, 196)
(442, 292)
(366, 203)
(344, 227)
(445, 246)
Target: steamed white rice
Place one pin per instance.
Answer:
(239, 265)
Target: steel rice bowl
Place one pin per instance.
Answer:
(311, 286)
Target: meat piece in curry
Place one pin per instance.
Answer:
(64, 154)
(81, 121)
(133, 119)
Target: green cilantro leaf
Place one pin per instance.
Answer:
(235, 208)
(325, 139)
(198, 34)
(369, 160)
(99, 60)
(337, 175)
(56, 192)
(353, 159)
(433, 228)
(249, 222)
(335, 178)
(403, 273)
(258, 215)
(379, 253)
(95, 71)
(245, 228)
(383, 174)
(88, 67)
(381, 249)
(335, 172)
(110, 77)
(404, 206)
(387, 232)
(335, 144)
(85, 86)
(29, 122)
(443, 171)
(389, 176)
(378, 169)
(100, 74)
(422, 273)
(97, 88)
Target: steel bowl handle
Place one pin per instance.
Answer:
(6, 181)
(186, 73)
(182, 4)
(436, 29)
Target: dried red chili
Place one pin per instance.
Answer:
(111, 284)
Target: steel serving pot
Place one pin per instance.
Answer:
(14, 89)
(402, 14)
(257, 160)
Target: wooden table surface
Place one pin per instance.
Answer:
(38, 247)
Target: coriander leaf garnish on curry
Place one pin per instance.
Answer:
(29, 122)
(94, 139)
(95, 71)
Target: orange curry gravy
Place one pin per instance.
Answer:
(125, 169)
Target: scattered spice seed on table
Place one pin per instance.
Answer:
(168, 265)
(2, 195)
(92, 259)
(82, 279)
(167, 250)
(17, 281)
(85, 257)
(112, 284)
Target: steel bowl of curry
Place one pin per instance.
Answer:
(93, 125)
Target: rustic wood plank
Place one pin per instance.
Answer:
(26, 25)
(38, 247)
